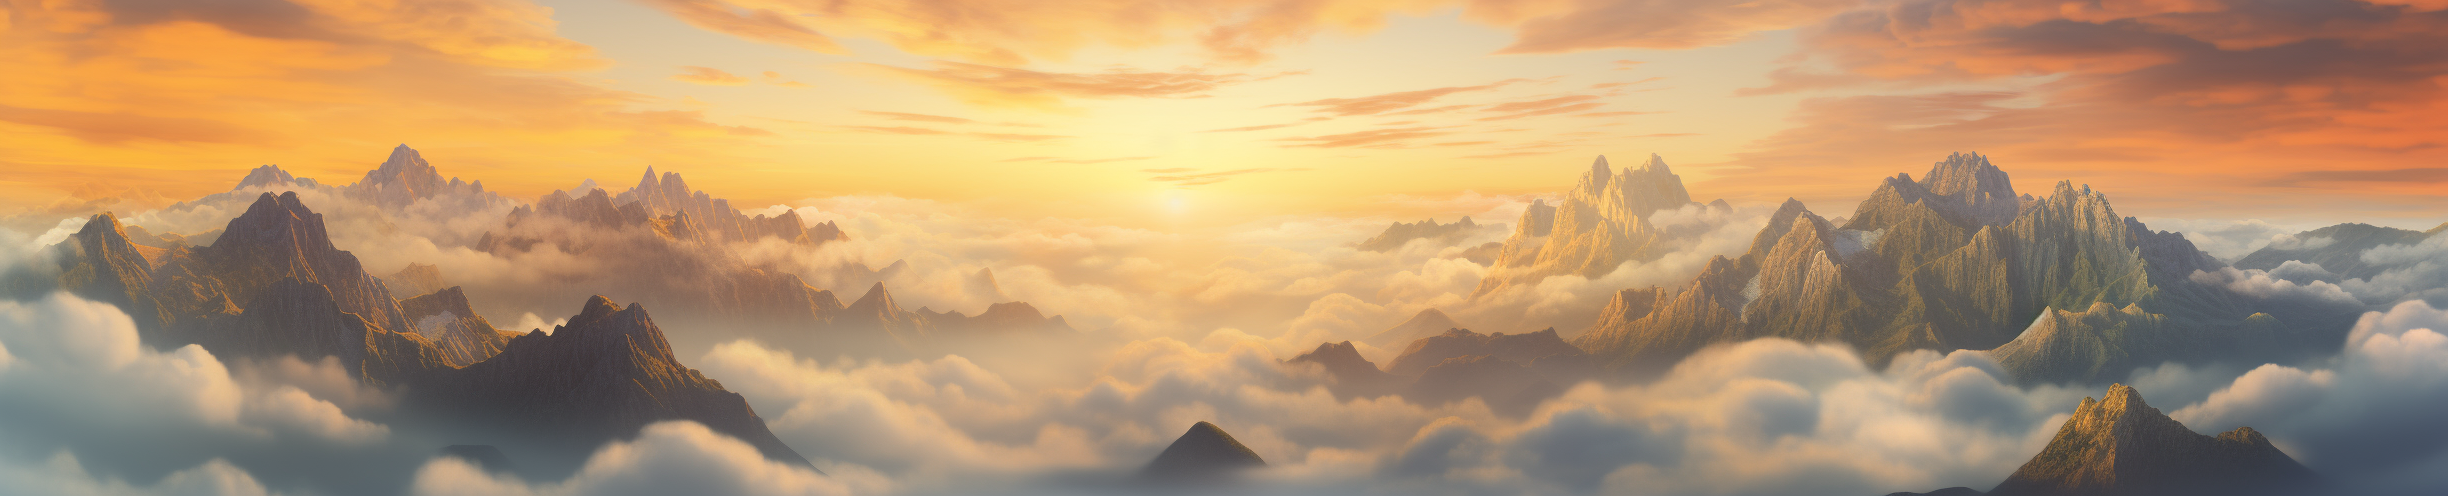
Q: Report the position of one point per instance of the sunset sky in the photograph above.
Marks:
(1218, 112)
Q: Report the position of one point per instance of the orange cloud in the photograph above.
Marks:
(903, 116)
(1377, 104)
(2179, 105)
(1375, 138)
(709, 76)
(174, 96)
(987, 85)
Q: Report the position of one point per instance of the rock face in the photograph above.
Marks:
(1204, 454)
(1957, 260)
(2337, 249)
(1601, 223)
(415, 279)
(100, 264)
(2120, 446)
(605, 375)
(278, 238)
(462, 336)
(669, 198)
(1398, 234)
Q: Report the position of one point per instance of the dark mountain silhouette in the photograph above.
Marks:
(1204, 454)
(2337, 249)
(1352, 374)
(2119, 446)
(605, 375)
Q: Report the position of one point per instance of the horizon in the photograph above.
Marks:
(1123, 247)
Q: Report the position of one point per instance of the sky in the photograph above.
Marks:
(1182, 113)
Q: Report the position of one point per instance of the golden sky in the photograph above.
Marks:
(1216, 112)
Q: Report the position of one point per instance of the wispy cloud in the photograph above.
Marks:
(1080, 161)
(905, 116)
(1370, 138)
(1388, 102)
(709, 76)
(1551, 111)
(988, 85)
(1177, 178)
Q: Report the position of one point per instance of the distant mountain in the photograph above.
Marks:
(415, 279)
(271, 176)
(1601, 223)
(1511, 372)
(1426, 323)
(1957, 260)
(1203, 454)
(603, 376)
(1399, 234)
(444, 318)
(713, 218)
(1351, 374)
(405, 178)
(2337, 249)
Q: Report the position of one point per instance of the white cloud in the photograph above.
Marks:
(667, 458)
(2368, 419)
(63, 475)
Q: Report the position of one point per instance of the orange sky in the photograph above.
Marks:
(1217, 112)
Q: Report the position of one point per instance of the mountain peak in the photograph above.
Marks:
(1655, 165)
(1204, 453)
(266, 175)
(2120, 445)
(1594, 183)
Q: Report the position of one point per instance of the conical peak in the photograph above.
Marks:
(403, 157)
(2123, 398)
(101, 223)
(597, 307)
(1594, 183)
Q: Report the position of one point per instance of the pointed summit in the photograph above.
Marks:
(2118, 445)
(402, 179)
(1204, 454)
(1594, 183)
(266, 175)
(1655, 165)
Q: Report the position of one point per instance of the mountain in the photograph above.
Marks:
(444, 318)
(1204, 454)
(1940, 263)
(713, 218)
(294, 317)
(415, 279)
(99, 263)
(1456, 343)
(2120, 446)
(271, 176)
(405, 178)
(603, 376)
(2338, 249)
(1013, 316)
(1511, 372)
(1600, 224)
(1350, 374)
(1398, 234)
(279, 238)
(1427, 323)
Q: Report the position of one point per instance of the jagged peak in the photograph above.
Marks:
(1655, 165)
(1594, 183)
(265, 175)
(877, 300)
(1967, 172)
(597, 307)
(106, 223)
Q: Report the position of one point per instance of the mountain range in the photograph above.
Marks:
(2059, 288)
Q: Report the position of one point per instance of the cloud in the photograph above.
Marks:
(995, 86)
(765, 25)
(1253, 128)
(2362, 421)
(1379, 104)
(674, 457)
(1549, 111)
(2314, 100)
(1180, 179)
(2412, 175)
(1375, 138)
(708, 76)
(63, 475)
(1594, 25)
(902, 116)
